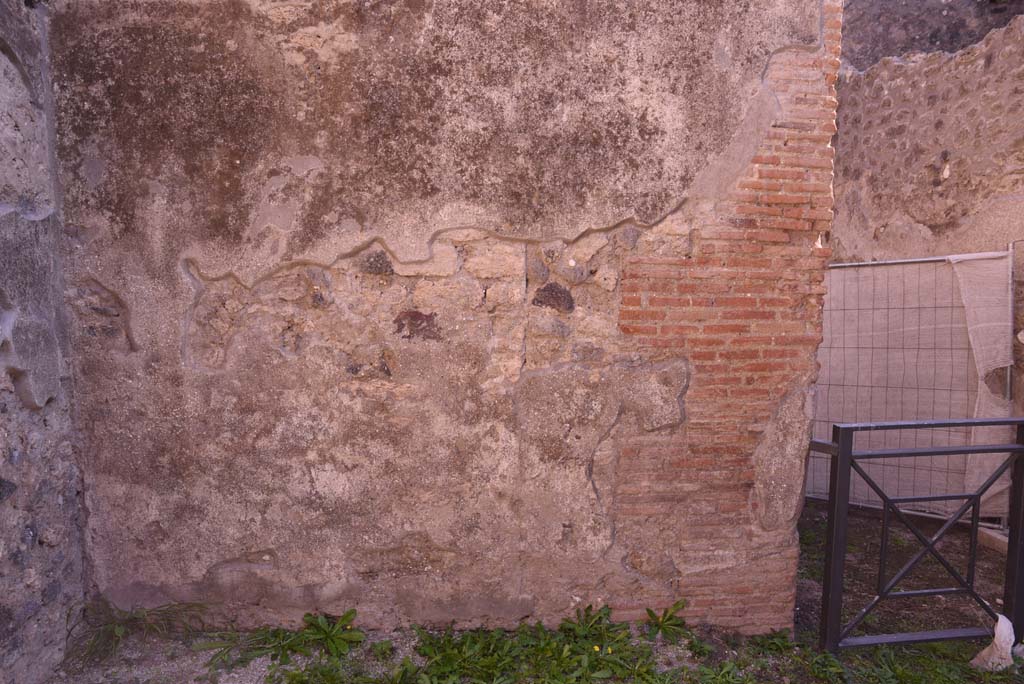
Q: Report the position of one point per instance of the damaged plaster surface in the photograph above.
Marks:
(345, 278)
(303, 129)
(434, 430)
(41, 545)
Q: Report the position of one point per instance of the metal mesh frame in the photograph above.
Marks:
(895, 347)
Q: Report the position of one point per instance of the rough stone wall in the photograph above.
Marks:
(930, 157)
(41, 546)
(355, 308)
(892, 28)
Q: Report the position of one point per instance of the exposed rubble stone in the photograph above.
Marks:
(875, 29)
(7, 489)
(378, 263)
(556, 297)
(410, 324)
(929, 151)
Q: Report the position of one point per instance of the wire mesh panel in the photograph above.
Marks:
(895, 348)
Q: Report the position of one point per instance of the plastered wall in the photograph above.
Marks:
(362, 300)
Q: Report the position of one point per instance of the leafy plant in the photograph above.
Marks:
(668, 624)
(775, 643)
(825, 668)
(697, 647)
(236, 649)
(588, 649)
(323, 636)
(316, 672)
(405, 673)
(382, 650)
(726, 673)
(336, 638)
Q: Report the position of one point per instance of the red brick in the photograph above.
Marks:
(767, 235)
(740, 354)
(807, 187)
(783, 174)
(812, 214)
(785, 199)
(640, 315)
(769, 185)
(679, 329)
(638, 329)
(805, 161)
(764, 366)
(668, 301)
(721, 233)
(745, 352)
(746, 262)
(708, 288)
(786, 224)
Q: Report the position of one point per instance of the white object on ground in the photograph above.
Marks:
(997, 655)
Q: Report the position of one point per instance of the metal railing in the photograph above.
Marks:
(845, 460)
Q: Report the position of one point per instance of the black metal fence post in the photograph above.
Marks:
(845, 460)
(835, 551)
(1013, 597)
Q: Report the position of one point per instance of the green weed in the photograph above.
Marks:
(668, 625)
(324, 639)
(726, 673)
(335, 637)
(588, 649)
(698, 649)
(236, 649)
(775, 643)
(825, 668)
(383, 650)
(99, 628)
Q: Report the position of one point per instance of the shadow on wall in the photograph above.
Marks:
(40, 507)
(874, 29)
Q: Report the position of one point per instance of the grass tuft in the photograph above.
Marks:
(99, 628)
(588, 649)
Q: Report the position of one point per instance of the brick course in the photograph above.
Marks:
(744, 307)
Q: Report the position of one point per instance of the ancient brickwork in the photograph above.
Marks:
(359, 308)
(40, 506)
(744, 307)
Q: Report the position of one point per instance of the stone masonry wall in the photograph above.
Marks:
(931, 158)
(40, 543)
(445, 311)
(892, 28)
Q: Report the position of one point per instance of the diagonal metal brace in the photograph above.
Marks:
(973, 501)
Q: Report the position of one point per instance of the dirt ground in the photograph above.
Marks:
(897, 615)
